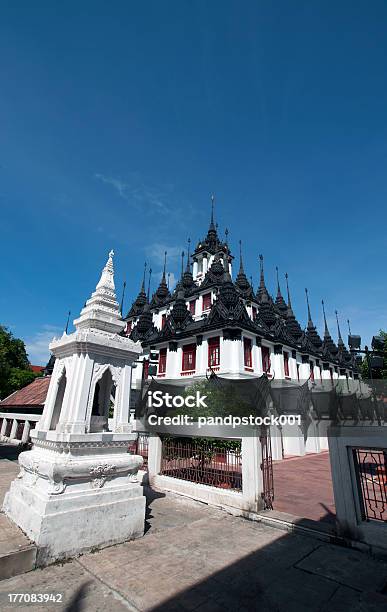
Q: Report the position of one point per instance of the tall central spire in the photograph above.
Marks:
(212, 223)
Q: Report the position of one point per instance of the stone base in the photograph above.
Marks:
(70, 502)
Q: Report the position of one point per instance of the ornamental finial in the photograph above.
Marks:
(287, 288)
(307, 301)
(338, 326)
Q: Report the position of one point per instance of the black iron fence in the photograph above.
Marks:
(210, 461)
(371, 474)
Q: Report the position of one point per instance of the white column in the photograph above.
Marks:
(13, 430)
(252, 480)
(26, 432)
(121, 408)
(3, 427)
(154, 455)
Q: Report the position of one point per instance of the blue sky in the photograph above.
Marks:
(118, 120)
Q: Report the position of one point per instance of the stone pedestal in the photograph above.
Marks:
(73, 495)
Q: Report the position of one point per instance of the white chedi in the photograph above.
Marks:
(77, 488)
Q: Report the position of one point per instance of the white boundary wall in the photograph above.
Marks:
(347, 499)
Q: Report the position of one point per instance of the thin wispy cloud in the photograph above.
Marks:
(137, 192)
(37, 344)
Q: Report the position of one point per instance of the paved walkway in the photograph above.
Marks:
(303, 487)
(198, 558)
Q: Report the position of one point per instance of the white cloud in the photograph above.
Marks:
(155, 253)
(37, 344)
(117, 184)
(137, 192)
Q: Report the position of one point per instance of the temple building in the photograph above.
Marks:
(214, 324)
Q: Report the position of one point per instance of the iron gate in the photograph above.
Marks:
(371, 475)
(267, 468)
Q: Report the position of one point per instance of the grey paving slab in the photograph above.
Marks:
(193, 557)
(347, 567)
(346, 599)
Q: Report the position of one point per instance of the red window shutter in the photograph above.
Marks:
(162, 361)
(163, 319)
(254, 312)
(189, 357)
(247, 352)
(213, 352)
(207, 301)
(286, 363)
(265, 358)
(129, 328)
(192, 305)
(146, 369)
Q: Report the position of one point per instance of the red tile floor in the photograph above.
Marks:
(303, 487)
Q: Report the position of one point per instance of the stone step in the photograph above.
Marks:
(17, 553)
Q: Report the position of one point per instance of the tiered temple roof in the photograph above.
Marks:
(274, 320)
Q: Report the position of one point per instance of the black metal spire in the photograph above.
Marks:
(122, 297)
(165, 265)
(262, 291)
(143, 279)
(182, 264)
(292, 324)
(212, 224)
(241, 269)
(340, 341)
(140, 301)
(241, 280)
(326, 330)
(310, 322)
(149, 282)
(280, 302)
(328, 343)
(68, 320)
(188, 268)
(311, 328)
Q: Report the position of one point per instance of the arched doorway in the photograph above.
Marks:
(103, 403)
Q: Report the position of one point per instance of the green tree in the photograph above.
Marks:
(15, 371)
(380, 373)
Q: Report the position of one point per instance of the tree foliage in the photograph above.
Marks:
(15, 371)
(377, 373)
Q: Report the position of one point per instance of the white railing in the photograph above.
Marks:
(15, 427)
